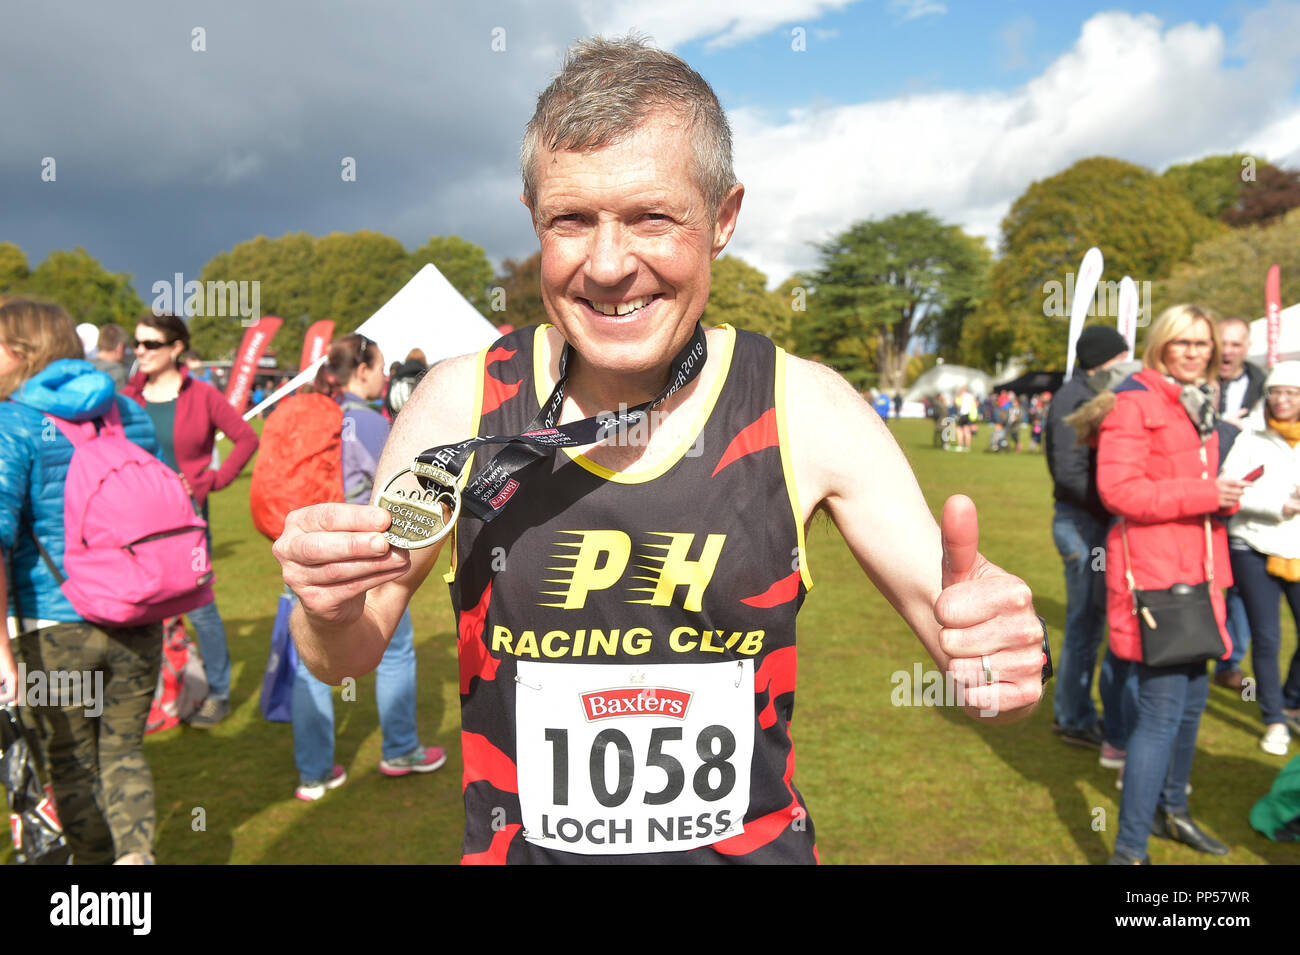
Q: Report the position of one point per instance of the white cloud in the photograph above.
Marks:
(1129, 87)
(914, 9)
(725, 22)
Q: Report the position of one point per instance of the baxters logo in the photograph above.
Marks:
(505, 493)
(635, 701)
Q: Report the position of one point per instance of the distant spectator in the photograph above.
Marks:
(353, 374)
(110, 357)
(1079, 525)
(1265, 545)
(417, 354)
(187, 415)
(1241, 385)
(194, 362)
(101, 781)
(1157, 462)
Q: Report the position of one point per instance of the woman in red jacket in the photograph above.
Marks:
(1157, 467)
(187, 414)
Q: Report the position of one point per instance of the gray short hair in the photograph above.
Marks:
(606, 90)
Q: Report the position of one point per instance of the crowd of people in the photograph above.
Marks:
(101, 783)
(593, 578)
(958, 417)
(1169, 487)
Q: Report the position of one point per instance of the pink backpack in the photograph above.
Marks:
(134, 550)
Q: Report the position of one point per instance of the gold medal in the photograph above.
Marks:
(421, 516)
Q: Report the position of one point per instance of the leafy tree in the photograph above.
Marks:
(882, 282)
(796, 296)
(464, 264)
(1227, 272)
(738, 296)
(1271, 195)
(521, 280)
(13, 267)
(353, 274)
(284, 269)
(1213, 184)
(88, 292)
(1142, 223)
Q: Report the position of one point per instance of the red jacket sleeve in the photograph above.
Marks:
(1123, 482)
(237, 430)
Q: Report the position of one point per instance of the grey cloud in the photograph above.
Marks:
(166, 156)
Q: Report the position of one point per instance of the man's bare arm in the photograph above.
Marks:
(845, 459)
(352, 585)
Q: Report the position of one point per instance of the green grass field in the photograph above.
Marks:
(884, 784)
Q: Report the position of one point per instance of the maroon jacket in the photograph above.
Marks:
(202, 411)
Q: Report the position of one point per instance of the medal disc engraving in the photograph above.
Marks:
(423, 512)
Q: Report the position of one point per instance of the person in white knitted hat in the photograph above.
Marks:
(1264, 540)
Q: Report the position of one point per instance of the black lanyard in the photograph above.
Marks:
(497, 482)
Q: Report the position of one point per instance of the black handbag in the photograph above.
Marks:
(1177, 624)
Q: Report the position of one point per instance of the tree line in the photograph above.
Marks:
(1203, 231)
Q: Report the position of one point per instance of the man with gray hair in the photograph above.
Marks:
(626, 609)
(1241, 385)
(111, 358)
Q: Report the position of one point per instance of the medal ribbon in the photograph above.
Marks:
(487, 494)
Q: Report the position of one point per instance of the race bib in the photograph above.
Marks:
(630, 759)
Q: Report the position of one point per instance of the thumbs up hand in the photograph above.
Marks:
(990, 632)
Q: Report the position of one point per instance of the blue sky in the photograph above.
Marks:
(167, 155)
(871, 50)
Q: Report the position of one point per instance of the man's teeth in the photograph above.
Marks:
(622, 308)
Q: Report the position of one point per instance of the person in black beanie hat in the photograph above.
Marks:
(1079, 527)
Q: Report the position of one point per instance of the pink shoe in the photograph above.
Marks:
(310, 792)
(1112, 757)
(424, 760)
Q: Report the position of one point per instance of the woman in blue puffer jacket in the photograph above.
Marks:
(102, 785)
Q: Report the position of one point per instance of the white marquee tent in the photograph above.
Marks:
(428, 313)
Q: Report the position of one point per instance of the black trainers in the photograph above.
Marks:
(1090, 737)
(211, 712)
(1182, 829)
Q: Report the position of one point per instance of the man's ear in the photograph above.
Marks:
(728, 214)
(532, 213)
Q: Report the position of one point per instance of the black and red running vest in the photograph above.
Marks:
(627, 642)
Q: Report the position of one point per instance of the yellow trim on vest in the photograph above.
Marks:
(788, 468)
(540, 378)
(450, 576)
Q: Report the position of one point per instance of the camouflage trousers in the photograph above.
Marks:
(94, 745)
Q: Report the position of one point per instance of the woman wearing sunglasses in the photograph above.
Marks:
(187, 414)
(1264, 541)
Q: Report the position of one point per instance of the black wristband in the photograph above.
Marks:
(1047, 653)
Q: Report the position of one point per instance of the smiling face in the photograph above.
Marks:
(1188, 356)
(626, 241)
(155, 360)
